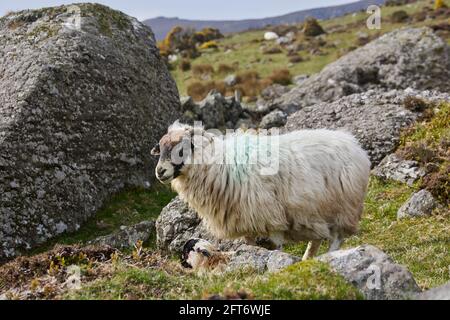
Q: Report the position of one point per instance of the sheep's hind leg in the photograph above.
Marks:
(312, 249)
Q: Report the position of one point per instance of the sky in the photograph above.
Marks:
(187, 9)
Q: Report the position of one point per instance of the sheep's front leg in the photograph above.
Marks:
(311, 250)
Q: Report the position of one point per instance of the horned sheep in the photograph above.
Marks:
(316, 192)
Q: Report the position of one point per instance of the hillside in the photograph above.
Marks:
(247, 51)
(162, 25)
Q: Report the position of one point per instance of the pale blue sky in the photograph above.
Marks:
(188, 9)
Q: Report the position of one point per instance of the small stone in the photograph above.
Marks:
(421, 203)
(230, 80)
(274, 119)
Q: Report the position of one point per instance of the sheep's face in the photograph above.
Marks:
(173, 150)
(196, 253)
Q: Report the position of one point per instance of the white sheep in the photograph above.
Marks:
(316, 193)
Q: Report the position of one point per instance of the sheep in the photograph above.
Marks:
(316, 193)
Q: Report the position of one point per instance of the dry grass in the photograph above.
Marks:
(200, 70)
(281, 76)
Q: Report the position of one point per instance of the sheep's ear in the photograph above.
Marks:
(155, 151)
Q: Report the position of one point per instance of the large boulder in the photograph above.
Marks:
(375, 117)
(84, 95)
(415, 58)
(373, 272)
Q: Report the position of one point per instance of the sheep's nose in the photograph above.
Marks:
(160, 172)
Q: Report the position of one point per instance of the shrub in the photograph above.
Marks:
(399, 16)
(415, 104)
(438, 4)
(295, 59)
(207, 34)
(438, 183)
(312, 28)
(224, 68)
(281, 76)
(185, 65)
(199, 90)
(247, 76)
(209, 45)
(250, 84)
(199, 70)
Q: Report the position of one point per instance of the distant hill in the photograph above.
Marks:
(162, 25)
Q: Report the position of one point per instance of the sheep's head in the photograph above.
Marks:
(176, 150)
(199, 254)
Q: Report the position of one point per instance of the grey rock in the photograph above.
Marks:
(260, 259)
(375, 117)
(284, 40)
(79, 113)
(245, 124)
(395, 168)
(411, 57)
(274, 91)
(373, 272)
(230, 80)
(421, 203)
(275, 119)
(178, 223)
(300, 79)
(215, 111)
(127, 237)
(439, 293)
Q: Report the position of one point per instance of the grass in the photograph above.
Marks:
(303, 281)
(124, 209)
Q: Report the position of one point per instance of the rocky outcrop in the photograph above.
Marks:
(395, 168)
(84, 95)
(178, 223)
(215, 111)
(415, 58)
(420, 204)
(373, 273)
(375, 117)
(127, 237)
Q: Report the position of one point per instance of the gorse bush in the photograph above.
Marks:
(312, 28)
(200, 70)
(399, 16)
(209, 45)
(281, 76)
(224, 68)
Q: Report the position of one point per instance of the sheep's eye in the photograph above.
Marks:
(155, 151)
